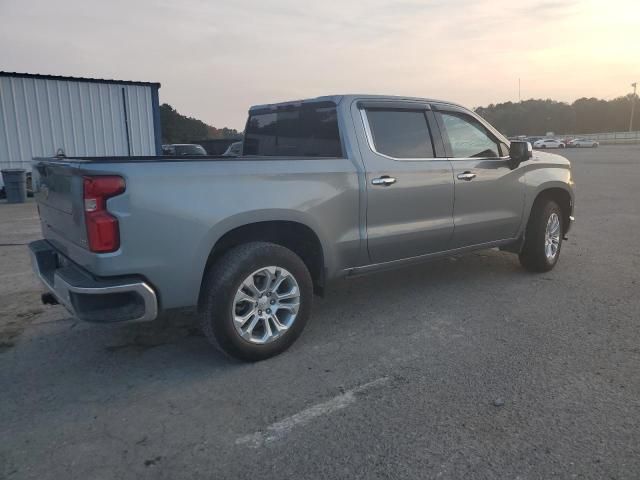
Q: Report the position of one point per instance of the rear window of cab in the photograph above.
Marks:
(307, 130)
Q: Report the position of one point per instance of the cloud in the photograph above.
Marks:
(216, 58)
(549, 9)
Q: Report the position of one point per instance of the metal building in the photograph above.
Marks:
(40, 114)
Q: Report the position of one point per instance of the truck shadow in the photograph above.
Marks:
(170, 355)
(352, 301)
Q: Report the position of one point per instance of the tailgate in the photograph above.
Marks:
(57, 186)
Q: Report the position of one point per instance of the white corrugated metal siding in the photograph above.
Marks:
(40, 115)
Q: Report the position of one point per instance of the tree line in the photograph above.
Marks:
(177, 128)
(529, 117)
(585, 115)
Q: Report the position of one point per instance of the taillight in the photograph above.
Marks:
(103, 234)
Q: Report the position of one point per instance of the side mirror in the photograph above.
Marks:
(519, 152)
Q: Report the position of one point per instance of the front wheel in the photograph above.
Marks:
(543, 237)
(255, 301)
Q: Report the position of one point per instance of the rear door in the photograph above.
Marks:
(409, 189)
(489, 195)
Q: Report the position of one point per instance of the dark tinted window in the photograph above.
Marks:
(467, 136)
(400, 133)
(309, 130)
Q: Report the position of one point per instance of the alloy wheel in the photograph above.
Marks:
(552, 237)
(266, 305)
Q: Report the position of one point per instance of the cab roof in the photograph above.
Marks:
(348, 97)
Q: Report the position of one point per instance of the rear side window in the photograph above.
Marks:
(310, 130)
(400, 133)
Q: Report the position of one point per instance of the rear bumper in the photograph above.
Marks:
(102, 300)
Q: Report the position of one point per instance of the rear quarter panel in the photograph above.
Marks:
(172, 214)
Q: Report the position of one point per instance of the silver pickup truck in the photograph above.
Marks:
(325, 188)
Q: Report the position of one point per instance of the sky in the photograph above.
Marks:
(215, 59)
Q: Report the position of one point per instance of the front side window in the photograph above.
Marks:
(400, 133)
(307, 130)
(467, 137)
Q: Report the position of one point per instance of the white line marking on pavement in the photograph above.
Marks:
(278, 430)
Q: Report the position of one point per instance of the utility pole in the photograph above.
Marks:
(519, 97)
(633, 105)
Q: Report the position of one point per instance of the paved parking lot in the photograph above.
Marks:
(467, 367)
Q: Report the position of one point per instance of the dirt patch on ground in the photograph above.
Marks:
(166, 330)
(17, 311)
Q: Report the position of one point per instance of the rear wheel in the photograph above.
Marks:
(256, 301)
(543, 237)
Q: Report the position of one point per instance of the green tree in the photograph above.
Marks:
(585, 115)
(177, 128)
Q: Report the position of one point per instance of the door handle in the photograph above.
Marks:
(468, 176)
(384, 180)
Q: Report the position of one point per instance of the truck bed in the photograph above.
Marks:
(166, 158)
(174, 209)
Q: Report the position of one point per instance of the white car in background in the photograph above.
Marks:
(183, 149)
(234, 150)
(548, 143)
(583, 142)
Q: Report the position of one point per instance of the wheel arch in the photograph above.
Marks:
(559, 194)
(298, 237)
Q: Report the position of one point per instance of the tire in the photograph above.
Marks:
(223, 282)
(534, 255)
(562, 146)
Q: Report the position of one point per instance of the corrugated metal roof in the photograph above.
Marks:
(77, 79)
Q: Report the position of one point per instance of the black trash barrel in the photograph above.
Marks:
(15, 184)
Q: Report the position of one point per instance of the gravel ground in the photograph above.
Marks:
(466, 367)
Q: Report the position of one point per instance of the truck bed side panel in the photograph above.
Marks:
(172, 213)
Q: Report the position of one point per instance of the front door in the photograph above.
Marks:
(409, 190)
(489, 195)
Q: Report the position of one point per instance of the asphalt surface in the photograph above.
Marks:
(462, 368)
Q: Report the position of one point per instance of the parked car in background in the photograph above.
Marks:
(234, 150)
(180, 149)
(548, 143)
(583, 143)
(326, 188)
